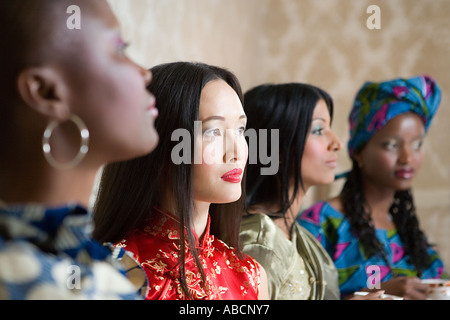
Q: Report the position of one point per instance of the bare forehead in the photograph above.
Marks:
(321, 111)
(219, 99)
(405, 121)
(59, 15)
(37, 31)
(29, 20)
(404, 126)
(102, 11)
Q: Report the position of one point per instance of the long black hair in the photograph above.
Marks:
(403, 213)
(129, 191)
(289, 108)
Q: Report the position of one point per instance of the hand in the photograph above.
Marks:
(410, 288)
(368, 295)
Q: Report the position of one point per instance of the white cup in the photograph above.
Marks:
(438, 289)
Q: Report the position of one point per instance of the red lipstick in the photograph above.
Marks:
(233, 176)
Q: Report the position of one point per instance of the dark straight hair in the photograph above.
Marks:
(129, 191)
(289, 108)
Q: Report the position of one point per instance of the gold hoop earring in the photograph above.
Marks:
(84, 147)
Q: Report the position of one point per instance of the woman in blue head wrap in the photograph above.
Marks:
(371, 229)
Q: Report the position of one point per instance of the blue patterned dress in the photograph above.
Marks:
(47, 253)
(356, 271)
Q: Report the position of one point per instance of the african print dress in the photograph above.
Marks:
(355, 270)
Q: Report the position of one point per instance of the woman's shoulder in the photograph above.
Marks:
(264, 240)
(34, 274)
(259, 229)
(239, 271)
(230, 254)
(151, 249)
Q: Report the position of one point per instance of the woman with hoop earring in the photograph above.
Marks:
(64, 114)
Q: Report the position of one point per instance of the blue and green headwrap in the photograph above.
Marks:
(378, 102)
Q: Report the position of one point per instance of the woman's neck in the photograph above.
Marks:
(47, 186)
(200, 212)
(284, 223)
(379, 201)
(200, 217)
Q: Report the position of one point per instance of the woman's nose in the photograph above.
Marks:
(235, 148)
(405, 155)
(335, 143)
(148, 76)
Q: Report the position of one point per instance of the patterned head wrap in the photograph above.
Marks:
(377, 103)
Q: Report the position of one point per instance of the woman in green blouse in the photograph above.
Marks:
(298, 117)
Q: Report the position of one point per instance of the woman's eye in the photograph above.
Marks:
(318, 131)
(417, 145)
(241, 131)
(212, 133)
(391, 145)
(122, 47)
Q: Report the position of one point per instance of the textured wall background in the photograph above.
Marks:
(325, 43)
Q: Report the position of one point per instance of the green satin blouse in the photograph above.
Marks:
(297, 269)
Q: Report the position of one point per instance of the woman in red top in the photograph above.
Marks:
(171, 207)
(227, 276)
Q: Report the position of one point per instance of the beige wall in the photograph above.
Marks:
(325, 43)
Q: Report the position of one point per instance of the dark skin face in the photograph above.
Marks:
(115, 102)
(394, 155)
(107, 90)
(95, 80)
(101, 85)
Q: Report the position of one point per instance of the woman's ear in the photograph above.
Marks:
(358, 159)
(44, 90)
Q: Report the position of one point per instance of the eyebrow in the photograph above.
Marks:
(220, 118)
(396, 137)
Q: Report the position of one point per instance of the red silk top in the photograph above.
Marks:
(227, 276)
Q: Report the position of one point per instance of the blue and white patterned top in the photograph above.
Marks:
(47, 253)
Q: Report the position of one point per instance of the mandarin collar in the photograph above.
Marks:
(168, 224)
